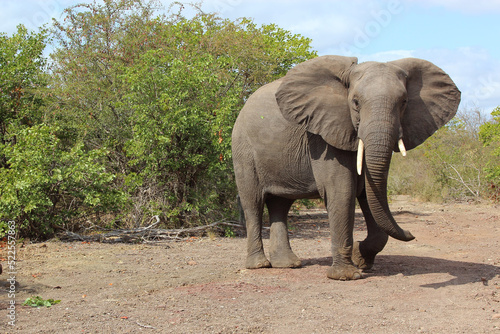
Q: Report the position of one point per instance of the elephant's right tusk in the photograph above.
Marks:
(402, 148)
(359, 161)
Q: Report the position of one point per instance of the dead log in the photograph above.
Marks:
(148, 234)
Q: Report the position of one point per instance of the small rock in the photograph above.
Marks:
(495, 316)
(192, 263)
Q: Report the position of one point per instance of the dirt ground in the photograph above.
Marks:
(447, 280)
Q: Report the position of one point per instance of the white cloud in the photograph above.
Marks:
(351, 28)
(465, 6)
(474, 70)
(31, 13)
(335, 27)
(388, 55)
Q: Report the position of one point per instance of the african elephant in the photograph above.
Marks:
(328, 129)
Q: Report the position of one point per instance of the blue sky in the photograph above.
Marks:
(460, 36)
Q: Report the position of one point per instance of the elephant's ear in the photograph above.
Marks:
(314, 95)
(433, 100)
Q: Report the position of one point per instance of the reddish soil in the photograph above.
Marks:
(445, 281)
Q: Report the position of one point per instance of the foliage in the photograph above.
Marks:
(179, 129)
(21, 78)
(132, 117)
(94, 44)
(412, 175)
(160, 94)
(46, 187)
(228, 232)
(306, 203)
(489, 134)
(45, 183)
(451, 164)
(37, 301)
(454, 157)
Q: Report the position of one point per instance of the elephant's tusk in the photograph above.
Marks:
(359, 161)
(402, 148)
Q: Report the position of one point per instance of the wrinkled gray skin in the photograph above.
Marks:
(297, 137)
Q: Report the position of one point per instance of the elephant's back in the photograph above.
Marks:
(276, 149)
(260, 120)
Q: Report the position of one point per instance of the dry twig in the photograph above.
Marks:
(144, 234)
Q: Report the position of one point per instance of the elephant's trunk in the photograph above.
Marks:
(378, 153)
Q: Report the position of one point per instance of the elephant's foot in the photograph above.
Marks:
(363, 260)
(284, 260)
(344, 272)
(257, 261)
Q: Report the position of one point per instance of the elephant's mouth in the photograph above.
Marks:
(361, 151)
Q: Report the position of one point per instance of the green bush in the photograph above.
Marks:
(450, 165)
(132, 119)
(46, 188)
(162, 97)
(180, 132)
(490, 136)
(412, 175)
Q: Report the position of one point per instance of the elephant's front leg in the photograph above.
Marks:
(364, 252)
(341, 216)
(336, 179)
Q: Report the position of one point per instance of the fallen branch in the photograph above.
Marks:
(144, 234)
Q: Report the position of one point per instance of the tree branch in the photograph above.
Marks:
(144, 234)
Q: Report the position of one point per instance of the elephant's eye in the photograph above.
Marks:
(355, 103)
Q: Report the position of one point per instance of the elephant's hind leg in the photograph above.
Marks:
(252, 204)
(280, 253)
(255, 250)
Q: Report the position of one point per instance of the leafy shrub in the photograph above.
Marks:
(450, 165)
(161, 96)
(132, 119)
(490, 136)
(412, 175)
(46, 188)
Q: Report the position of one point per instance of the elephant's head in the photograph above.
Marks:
(373, 106)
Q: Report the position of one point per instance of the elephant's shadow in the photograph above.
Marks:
(391, 265)
(312, 224)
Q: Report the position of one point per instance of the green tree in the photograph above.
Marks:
(489, 134)
(186, 96)
(449, 165)
(179, 120)
(22, 79)
(44, 185)
(94, 44)
(160, 94)
(46, 188)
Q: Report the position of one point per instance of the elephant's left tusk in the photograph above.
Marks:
(359, 161)
(402, 148)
